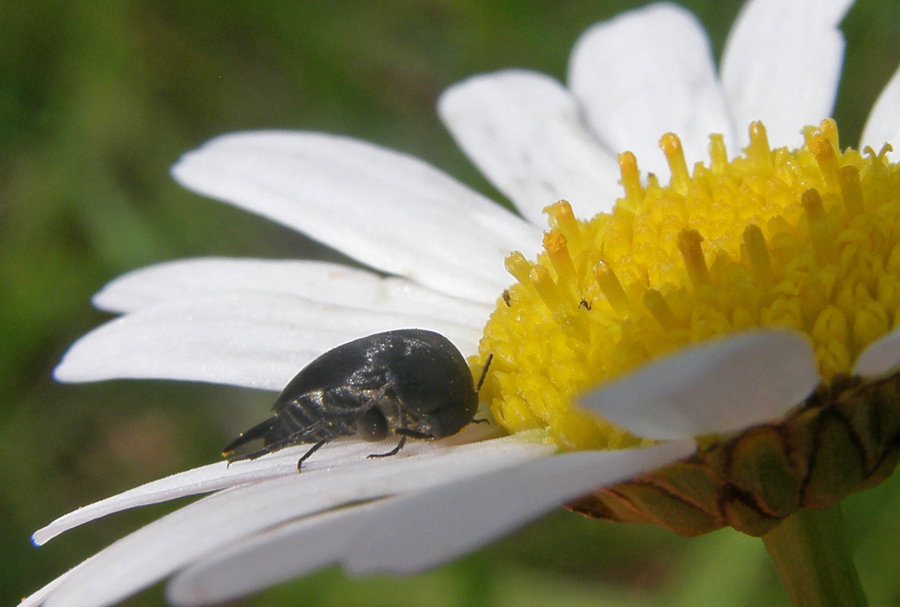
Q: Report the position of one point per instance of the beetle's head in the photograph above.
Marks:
(449, 419)
(432, 383)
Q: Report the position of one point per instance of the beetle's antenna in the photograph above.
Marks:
(487, 365)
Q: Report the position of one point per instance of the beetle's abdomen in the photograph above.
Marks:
(308, 419)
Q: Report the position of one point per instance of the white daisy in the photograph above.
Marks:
(254, 323)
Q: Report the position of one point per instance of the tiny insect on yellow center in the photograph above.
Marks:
(806, 239)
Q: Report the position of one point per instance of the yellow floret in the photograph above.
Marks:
(807, 239)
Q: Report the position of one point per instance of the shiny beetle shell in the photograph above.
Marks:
(409, 382)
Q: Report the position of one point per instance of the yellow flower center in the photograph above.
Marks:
(807, 239)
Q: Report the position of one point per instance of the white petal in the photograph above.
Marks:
(414, 532)
(883, 125)
(344, 454)
(645, 73)
(247, 339)
(313, 280)
(388, 210)
(206, 526)
(271, 557)
(782, 64)
(722, 386)
(405, 539)
(207, 479)
(526, 134)
(881, 357)
(36, 599)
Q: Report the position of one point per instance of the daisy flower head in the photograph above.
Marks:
(678, 357)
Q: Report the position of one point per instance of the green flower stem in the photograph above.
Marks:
(812, 556)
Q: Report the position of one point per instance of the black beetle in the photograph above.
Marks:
(411, 382)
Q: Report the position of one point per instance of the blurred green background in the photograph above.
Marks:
(98, 99)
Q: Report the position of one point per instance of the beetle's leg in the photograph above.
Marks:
(412, 433)
(270, 448)
(312, 450)
(293, 439)
(487, 365)
(393, 451)
(402, 434)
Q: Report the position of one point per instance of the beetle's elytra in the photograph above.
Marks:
(410, 382)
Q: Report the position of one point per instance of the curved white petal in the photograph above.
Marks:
(207, 526)
(273, 556)
(881, 357)
(388, 210)
(342, 454)
(527, 135)
(782, 64)
(722, 386)
(647, 72)
(477, 511)
(313, 280)
(417, 531)
(213, 477)
(883, 125)
(256, 340)
(36, 599)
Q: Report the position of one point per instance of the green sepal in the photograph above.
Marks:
(837, 465)
(844, 438)
(759, 465)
